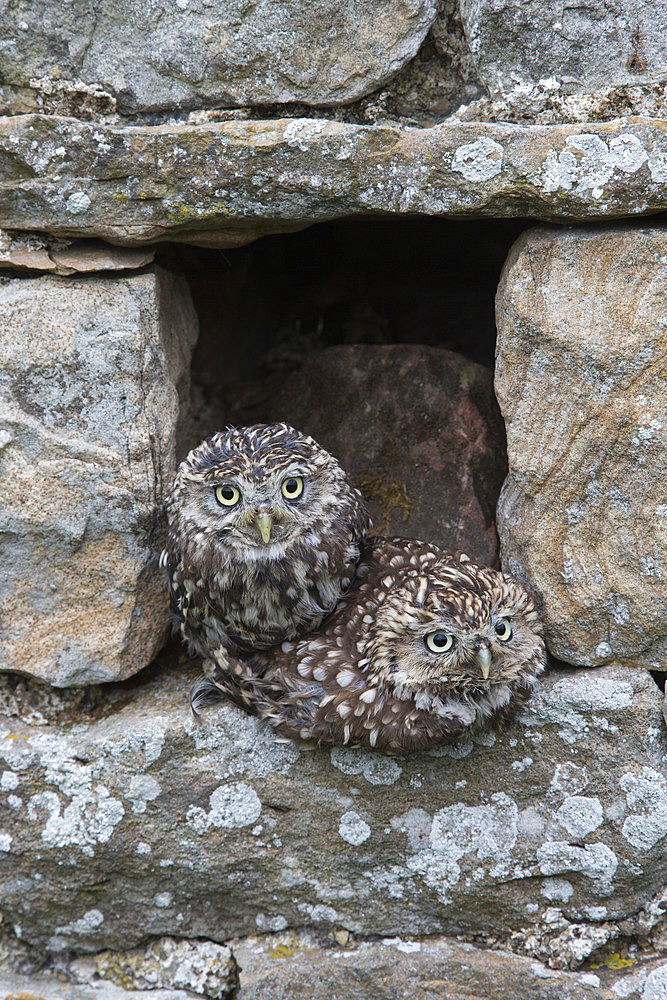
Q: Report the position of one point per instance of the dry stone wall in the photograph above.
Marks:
(142, 854)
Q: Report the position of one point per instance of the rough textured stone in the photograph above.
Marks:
(298, 966)
(581, 47)
(136, 822)
(202, 968)
(225, 184)
(28, 252)
(418, 430)
(545, 103)
(295, 966)
(91, 371)
(194, 54)
(581, 375)
(51, 986)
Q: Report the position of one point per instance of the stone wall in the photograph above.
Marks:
(145, 855)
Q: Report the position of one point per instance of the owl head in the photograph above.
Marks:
(455, 629)
(256, 491)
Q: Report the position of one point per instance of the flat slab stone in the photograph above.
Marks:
(26, 253)
(228, 183)
(295, 966)
(135, 822)
(196, 54)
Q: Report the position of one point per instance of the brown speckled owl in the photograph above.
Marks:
(265, 531)
(423, 648)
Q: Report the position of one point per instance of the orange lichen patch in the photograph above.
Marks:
(616, 962)
(282, 951)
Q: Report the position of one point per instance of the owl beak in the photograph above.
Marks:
(264, 522)
(483, 657)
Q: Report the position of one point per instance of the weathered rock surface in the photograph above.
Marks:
(298, 966)
(419, 431)
(92, 371)
(51, 986)
(196, 55)
(434, 969)
(581, 379)
(136, 823)
(225, 184)
(581, 47)
(29, 252)
(202, 968)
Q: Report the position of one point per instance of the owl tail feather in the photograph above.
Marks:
(227, 679)
(204, 694)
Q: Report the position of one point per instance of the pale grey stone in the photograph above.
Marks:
(92, 375)
(227, 183)
(194, 54)
(50, 986)
(202, 968)
(297, 967)
(580, 47)
(235, 832)
(581, 378)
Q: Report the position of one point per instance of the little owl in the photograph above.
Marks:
(423, 648)
(265, 531)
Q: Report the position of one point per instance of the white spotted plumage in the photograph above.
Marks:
(369, 678)
(253, 566)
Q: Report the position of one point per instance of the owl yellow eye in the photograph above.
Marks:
(439, 642)
(292, 487)
(227, 495)
(503, 630)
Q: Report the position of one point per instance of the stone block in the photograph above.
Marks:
(92, 374)
(136, 823)
(581, 48)
(581, 378)
(225, 184)
(194, 55)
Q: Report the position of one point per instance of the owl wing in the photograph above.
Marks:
(184, 608)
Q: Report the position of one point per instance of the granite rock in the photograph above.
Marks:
(193, 54)
(93, 372)
(227, 183)
(580, 378)
(418, 430)
(136, 823)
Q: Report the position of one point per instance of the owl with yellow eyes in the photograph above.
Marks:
(265, 531)
(424, 648)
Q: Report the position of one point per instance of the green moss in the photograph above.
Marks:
(180, 212)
